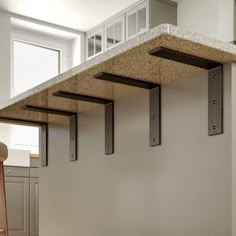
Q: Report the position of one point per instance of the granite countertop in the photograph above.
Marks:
(130, 59)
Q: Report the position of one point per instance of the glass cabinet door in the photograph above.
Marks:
(110, 36)
(94, 43)
(114, 32)
(119, 32)
(98, 43)
(142, 20)
(132, 24)
(137, 20)
(91, 46)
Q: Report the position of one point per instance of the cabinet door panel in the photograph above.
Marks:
(34, 206)
(17, 195)
(137, 20)
(132, 25)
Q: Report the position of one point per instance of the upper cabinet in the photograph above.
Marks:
(133, 21)
(137, 20)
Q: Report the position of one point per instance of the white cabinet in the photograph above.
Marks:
(95, 41)
(137, 20)
(115, 32)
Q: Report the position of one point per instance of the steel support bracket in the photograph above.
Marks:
(154, 102)
(74, 137)
(109, 115)
(215, 83)
(43, 144)
(43, 134)
(215, 101)
(109, 128)
(44, 131)
(155, 116)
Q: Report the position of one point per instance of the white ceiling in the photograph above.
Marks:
(76, 14)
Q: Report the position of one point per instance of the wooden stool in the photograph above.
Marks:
(3, 157)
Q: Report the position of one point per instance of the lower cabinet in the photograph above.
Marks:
(17, 194)
(22, 201)
(34, 206)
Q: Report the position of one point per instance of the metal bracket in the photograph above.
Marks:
(109, 115)
(154, 101)
(73, 128)
(43, 134)
(215, 83)
(73, 137)
(215, 101)
(43, 144)
(184, 58)
(109, 128)
(155, 116)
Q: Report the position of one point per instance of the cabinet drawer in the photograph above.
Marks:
(16, 171)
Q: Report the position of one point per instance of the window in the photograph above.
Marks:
(115, 32)
(32, 65)
(137, 20)
(95, 43)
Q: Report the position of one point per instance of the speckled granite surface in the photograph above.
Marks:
(130, 59)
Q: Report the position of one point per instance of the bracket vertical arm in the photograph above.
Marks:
(215, 101)
(74, 137)
(155, 116)
(43, 144)
(109, 128)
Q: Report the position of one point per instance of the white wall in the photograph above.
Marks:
(233, 105)
(15, 157)
(181, 188)
(214, 18)
(4, 69)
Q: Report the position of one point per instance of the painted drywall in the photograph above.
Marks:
(181, 188)
(233, 105)
(214, 18)
(4, 69)
(15, 157)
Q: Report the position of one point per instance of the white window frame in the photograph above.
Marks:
(145, 4)
(90, 34)
(121, 19)
(41, 40)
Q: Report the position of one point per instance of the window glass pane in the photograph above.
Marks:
(91, 46)
(132, 24)
(98, 43)
(110, 36)
(142, 19)
(32, 65)
(118, 32)
(26, 138)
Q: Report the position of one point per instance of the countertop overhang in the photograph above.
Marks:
(130, 59)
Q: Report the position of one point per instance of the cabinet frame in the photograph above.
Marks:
(34, 206)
